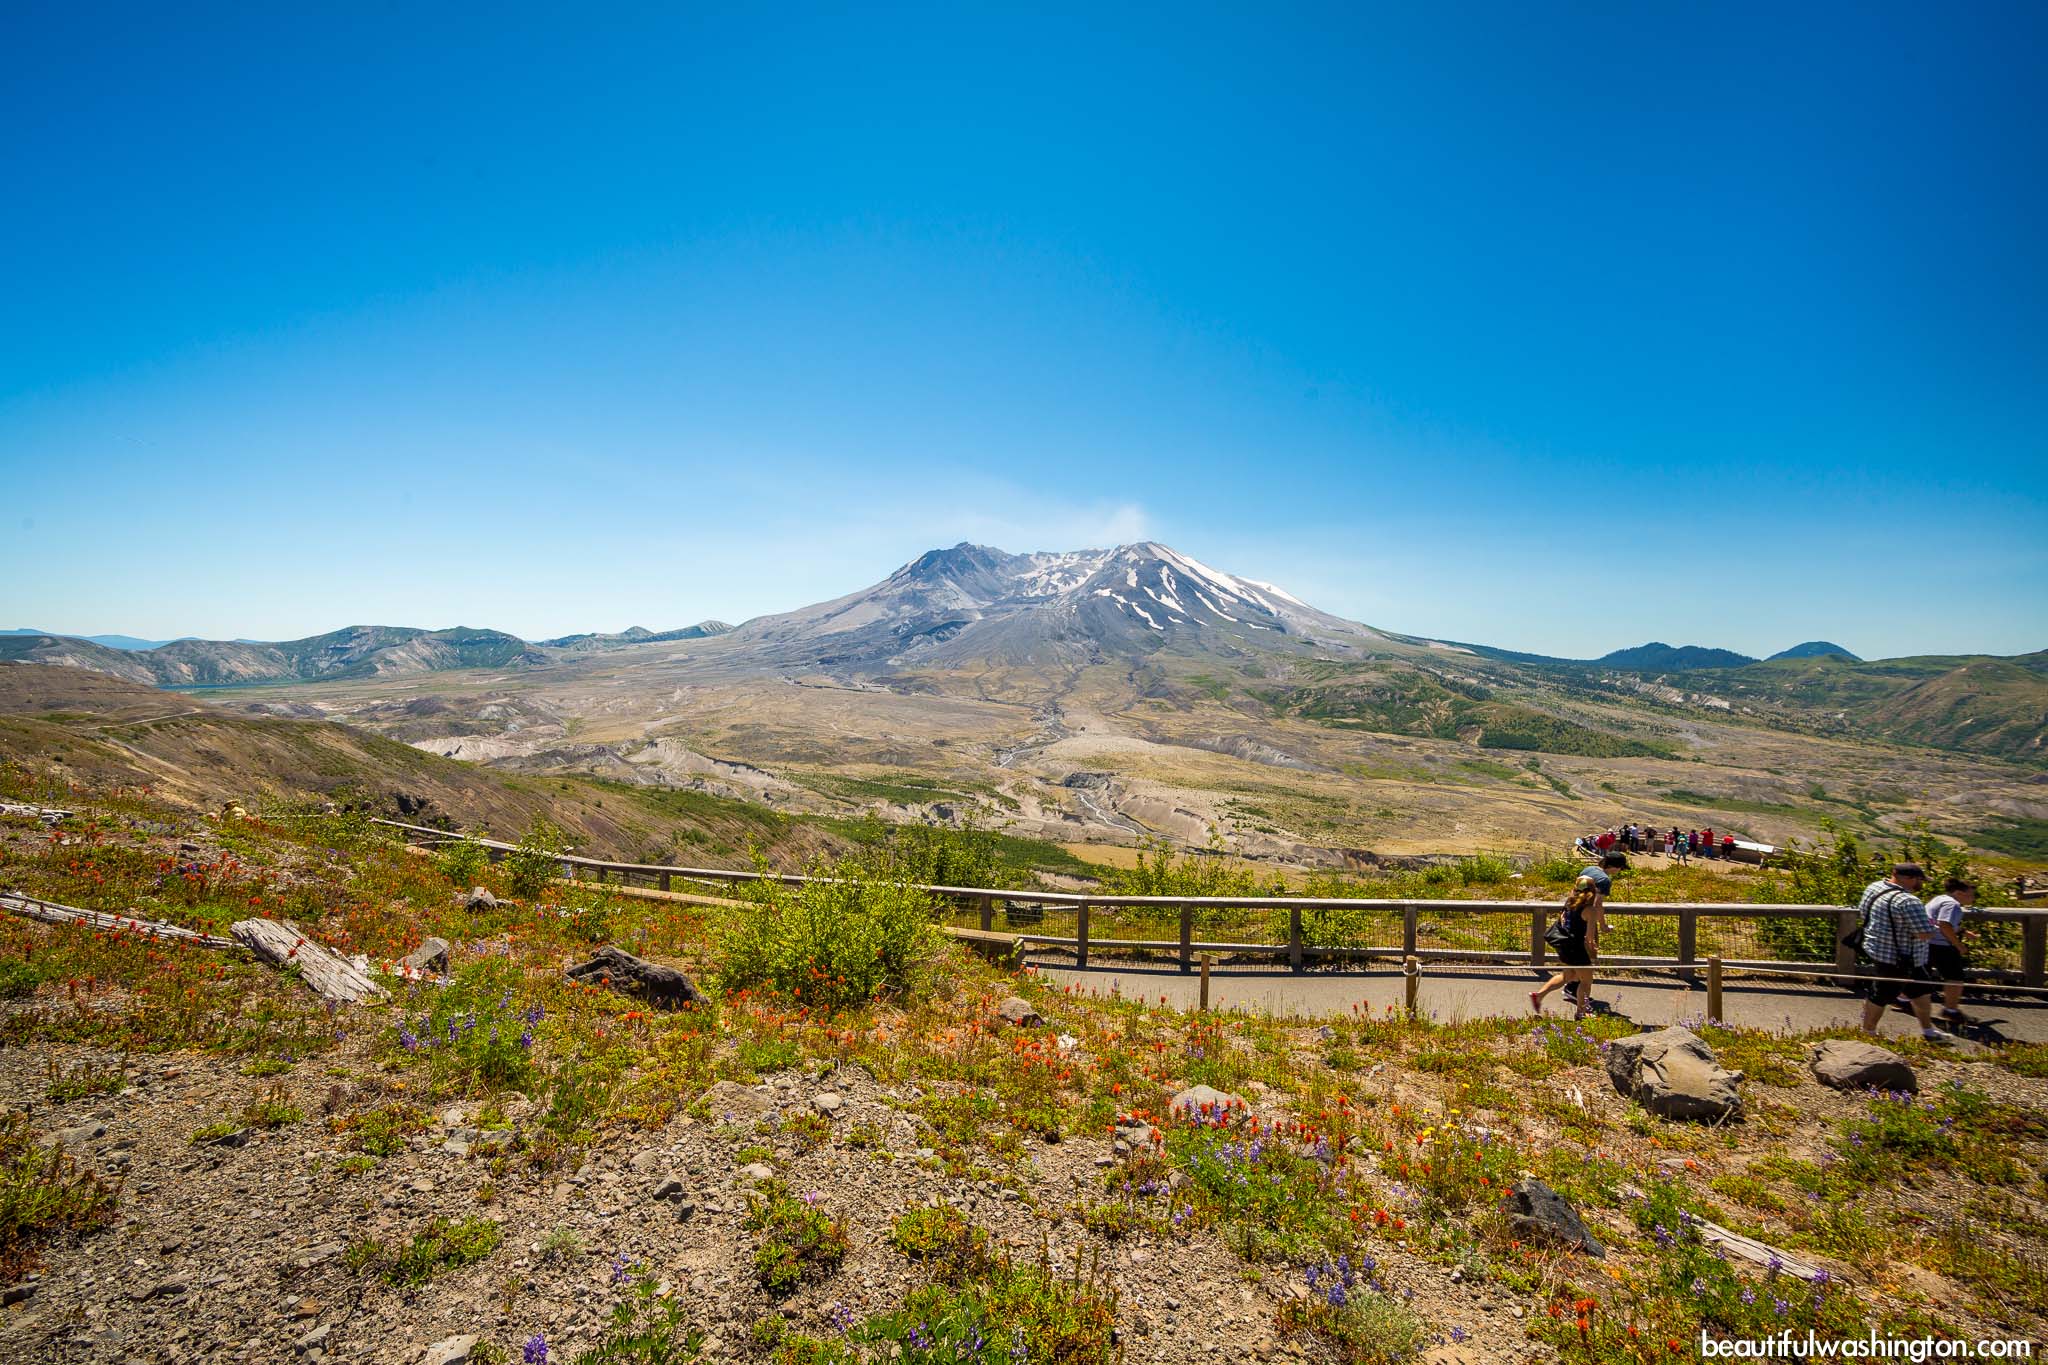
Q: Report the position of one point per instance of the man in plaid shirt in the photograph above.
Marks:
(1896, 932)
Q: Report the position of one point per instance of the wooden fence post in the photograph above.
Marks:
(1714, 1015)
(1294, 938)
(987, 905)
(1081, 935)
(1539, 923)
(1845, 956)
(2034, 950)
(1688, 938)
(1205, 983)
(1411, 972)
(1187, 936)
(1411, 916)
(668, 881)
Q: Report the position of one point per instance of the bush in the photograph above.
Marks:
(42, 1193)
(463, 861)
(443, 1246)
(852, 934)
(537, 861)
(799, 1240)
(476, 1038)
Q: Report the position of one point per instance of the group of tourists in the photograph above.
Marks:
(1912, 947)
(1682, 844)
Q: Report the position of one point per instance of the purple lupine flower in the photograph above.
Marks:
(536, 1352)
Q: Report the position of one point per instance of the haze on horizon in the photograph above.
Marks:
(1552, 330)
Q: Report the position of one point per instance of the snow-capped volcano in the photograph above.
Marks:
(972, 602)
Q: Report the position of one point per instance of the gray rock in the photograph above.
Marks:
(649, 1161)
(430, 958)
(80, 1134)
(315, 1339)
(448, 1351)
(1674, 1075)
(731, 1100)
(17, 1293)
(756, 1173)
(1018, 1013)
(479, 898)
(1206, 1102)
(666, 1187)
(234, 1137)
(168, 1288)
(1539, 1213)
(1849, 1064)
(827, 1102)
(665, 988)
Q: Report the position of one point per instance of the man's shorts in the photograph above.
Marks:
(1946, 962)
(1883, 992)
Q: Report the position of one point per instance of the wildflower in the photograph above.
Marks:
(536, 1352)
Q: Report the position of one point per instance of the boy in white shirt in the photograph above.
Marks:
(1945, 951)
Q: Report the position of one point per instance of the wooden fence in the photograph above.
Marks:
(1298, 951)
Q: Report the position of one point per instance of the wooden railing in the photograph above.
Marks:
(1297, 951)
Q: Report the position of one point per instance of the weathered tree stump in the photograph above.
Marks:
(662, 987)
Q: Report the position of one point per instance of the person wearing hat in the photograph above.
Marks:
(1896, 932)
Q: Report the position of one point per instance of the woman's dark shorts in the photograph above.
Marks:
(1572, 952)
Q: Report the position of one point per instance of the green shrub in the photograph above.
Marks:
(476, 1037)
(799, 1240)
(852, 934)
(463, 861)
(82, 1080)
(647, 1329)
(941, 1235)
(443, 1246)
(537, 861)
(18, 977)
(42, 1193)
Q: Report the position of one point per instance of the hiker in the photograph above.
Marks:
(1945, 950)
(1684, 846)
(1576, 937)
(1727, 847)
(1706, 843)
(1671, 842)
(1895, 937)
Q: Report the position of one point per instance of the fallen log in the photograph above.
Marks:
(1748, 1248)
(331, 976)
(50, 912)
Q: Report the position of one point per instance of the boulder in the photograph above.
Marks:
(479, 898)
(429, 959)
(1675, 1075)
(731, 1100)
(448, 1351)
(1538, 1213)
(1848, 1064)
(1018, 1013)
(664, 988)
(828, 1102)
(1205, 1103)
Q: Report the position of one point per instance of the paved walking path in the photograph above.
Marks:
(1447, 993)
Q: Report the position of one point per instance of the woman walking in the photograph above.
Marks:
(1576, 939)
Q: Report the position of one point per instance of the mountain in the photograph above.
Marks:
(110, 641)
(635, 635)
(354, 652)
(96, 727)
(975, 604)
(1814, 649)
(1658, 657)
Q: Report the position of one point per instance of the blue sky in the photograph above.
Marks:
(1556, 327)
